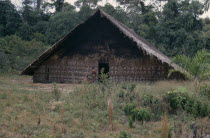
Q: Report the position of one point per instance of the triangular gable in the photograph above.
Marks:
(140, 42)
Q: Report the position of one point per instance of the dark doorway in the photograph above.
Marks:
(104, 67)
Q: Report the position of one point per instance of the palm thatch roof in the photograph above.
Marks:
(142, 44)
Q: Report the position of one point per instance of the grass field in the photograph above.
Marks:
(95, 110)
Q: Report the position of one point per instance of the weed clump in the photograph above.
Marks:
(137, 114)
(56, 93)
(205, 91)
(3, 96)
(127, 93)
(128, 108)
(142, 114)
(156, 105)
(122, 134)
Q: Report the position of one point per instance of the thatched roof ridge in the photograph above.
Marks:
(141, 43)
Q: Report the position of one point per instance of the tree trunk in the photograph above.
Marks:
(59, 5)
(38, 5)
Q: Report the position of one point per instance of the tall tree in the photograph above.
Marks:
(61, 23)
(179, 27)
(27, 12)
(142, 17)
(116, 12)
(87, 3)
(134, 7)
(38, 5)
(34, 20)
(207, 4)
(59, 5)
(9, 18)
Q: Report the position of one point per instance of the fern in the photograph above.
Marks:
(196, 68)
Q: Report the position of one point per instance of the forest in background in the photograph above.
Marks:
(25, 32)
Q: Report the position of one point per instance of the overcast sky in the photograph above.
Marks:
(113, 2)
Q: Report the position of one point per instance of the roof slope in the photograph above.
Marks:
(140, 42)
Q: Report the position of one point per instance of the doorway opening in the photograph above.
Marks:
(103, 68)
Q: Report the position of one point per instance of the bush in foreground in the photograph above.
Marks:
(180, 99)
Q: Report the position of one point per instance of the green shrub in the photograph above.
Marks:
(103, 76)
(147, 99)
(3, 96)
(137, 114)
(155, 104)
(180, 99)
(123, 134)
(4, 61)
(127, 93)
(128, 109)
(16, 54)
(130, 122)
(129, 87)
(205, 91)
(142, 114)
(121, 94)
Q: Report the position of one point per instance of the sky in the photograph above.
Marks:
(113, 2)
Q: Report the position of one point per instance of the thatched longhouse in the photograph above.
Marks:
(101, 42)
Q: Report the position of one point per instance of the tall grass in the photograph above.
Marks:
(56, 93)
